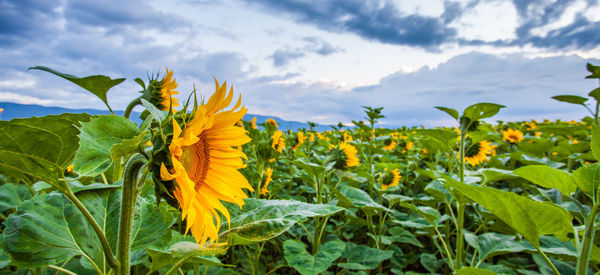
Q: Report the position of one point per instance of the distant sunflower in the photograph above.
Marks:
(390, 179)
(163, 92)
(350, 152)
(299, 140)
(390, 146)
(277, 141)
(272, 122)
(253, 123)
(269, 173)
(477, 153)
(204, 164)
(512, 135)
(409, 145)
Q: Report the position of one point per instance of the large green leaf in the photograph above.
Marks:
(453, 113)
(482, 110)
(95, 84)
(262, 220)
(362, 257)
(548, 177)
(96, 139)
(530, 218)
(349, 196)
(297, 257)
(39, 148)
(49, 229)
(402, 235)
(490, 244)
(587, 178)
(573, 99)
(188, 250)
(12, 196)
(495, 174)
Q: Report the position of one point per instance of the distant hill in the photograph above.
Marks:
(15, 110)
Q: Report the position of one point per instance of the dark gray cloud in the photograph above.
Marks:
(282, 57)
(383, 22)
(375, 20)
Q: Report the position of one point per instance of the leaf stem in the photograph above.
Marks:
(130, 107)
(177, 265)
(112, 262)
(128, 200)
(61, 270)
(548, 261)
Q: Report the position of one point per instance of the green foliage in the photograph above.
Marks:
(548, 177)
(307, 264)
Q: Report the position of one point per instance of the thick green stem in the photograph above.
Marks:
(128, 200)
(130, 107)
(110, 259)
(596, 114)
(588, 239)
(461, 207)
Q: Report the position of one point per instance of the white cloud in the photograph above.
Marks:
(567, 17)
(24, 99)
(488, 21)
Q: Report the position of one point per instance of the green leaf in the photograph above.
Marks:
(587, 178)
(530, 218)
(573, 99)
(595, 144)
(49, 229)
(162, 258)
(595, 70)
(96, 139)
(297, 257)
(453, 113)
(361, 257)
(548, 177)
(157, 114)
(39, 148)
(495, 174)
(430, 262)
(482, 110)
(127, 147)
(96, 84)
(353, 197)
(12, 196)
(312, 169)
(402, 235)
(490, 244)
(262, 220)
(595, 93)
(473, 271)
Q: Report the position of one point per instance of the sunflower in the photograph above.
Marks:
(299, 140)
(204, 164)
(277, 141)
(311, 137)
(272, 122)
(166, 92)
(350, 153)
(390, 179)
(390, 146)
(253, 123)
(512, 135)
(478, 152)
(409, 145)
(263, 189)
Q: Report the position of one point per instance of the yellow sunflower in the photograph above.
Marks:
(204, 164)
(299, 140)
(263, 189)
(478, 153)
(390, 146)
(167, 90)
(253, 123)
(277, 141)
(311, 137)
(512, 135)
(409, 145)
(390, 179)
(350, 152)
(272, 122)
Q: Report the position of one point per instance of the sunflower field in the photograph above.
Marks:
(198, 188)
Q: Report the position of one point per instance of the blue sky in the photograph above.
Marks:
(311, 60)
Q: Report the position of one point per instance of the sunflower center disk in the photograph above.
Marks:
(196, 160)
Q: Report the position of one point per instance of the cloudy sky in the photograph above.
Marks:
(311, 60)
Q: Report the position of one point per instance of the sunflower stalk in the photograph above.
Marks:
(460, 206)
(130, 107)
(588, 239)
(128, 201)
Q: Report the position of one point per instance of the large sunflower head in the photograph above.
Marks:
(201, 167)
(278, 141)
(512, 135)
(389, 178)
(478, 152)
(160, 92)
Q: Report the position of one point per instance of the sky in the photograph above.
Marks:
(316, 61)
